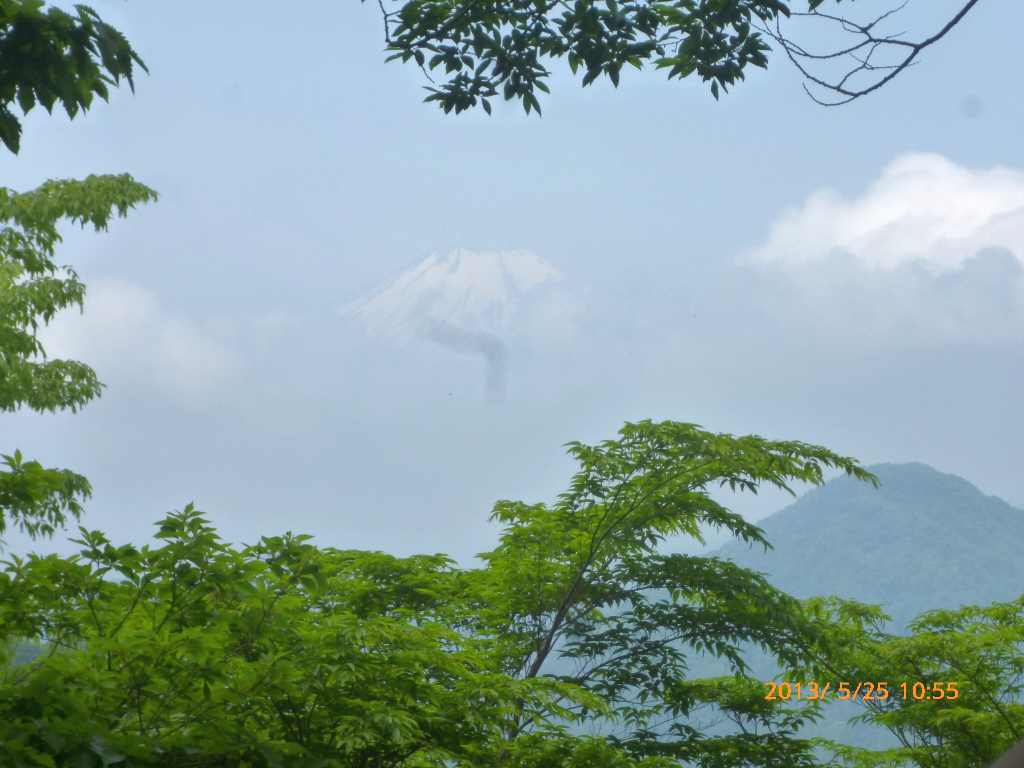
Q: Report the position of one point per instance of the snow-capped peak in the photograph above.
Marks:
(460, 288)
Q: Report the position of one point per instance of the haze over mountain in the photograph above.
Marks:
(921, 540)
(461, 300)
(477, 291)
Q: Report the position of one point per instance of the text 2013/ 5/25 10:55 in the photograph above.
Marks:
(866, 691)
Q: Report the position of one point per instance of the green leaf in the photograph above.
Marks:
(53, 56)
(33, 289)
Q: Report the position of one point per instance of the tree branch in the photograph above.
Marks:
(868, 45)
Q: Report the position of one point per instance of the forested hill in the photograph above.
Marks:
(922, 540)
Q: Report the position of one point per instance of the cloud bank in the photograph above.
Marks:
(125, 329)
(924, 209)
(930, 252)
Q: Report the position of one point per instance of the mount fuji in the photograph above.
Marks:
(461, 300)
(461, 288)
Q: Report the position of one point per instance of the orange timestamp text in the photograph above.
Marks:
(866, 691)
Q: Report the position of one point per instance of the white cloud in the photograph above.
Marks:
(981, 304)
(124, 328)
(924, 209)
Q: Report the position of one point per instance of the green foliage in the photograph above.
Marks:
(194, 653)
(976, 650)
(49, 56)
(579, 592)
(921, 540)
(487, 48)
(33, 289)
(568, 648)
(39, 500)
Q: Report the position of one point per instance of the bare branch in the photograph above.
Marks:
(387, 22)
(864, 53)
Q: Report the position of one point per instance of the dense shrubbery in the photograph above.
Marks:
(963, 672)
(196, 653)
(569, 647)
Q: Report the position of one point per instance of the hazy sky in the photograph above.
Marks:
(850, 276)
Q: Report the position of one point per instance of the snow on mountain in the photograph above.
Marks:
(474, 292)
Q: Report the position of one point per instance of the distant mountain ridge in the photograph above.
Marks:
(923, 539)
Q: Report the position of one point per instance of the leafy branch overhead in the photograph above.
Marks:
(491, 48)
(39, 500)
(33, 289)
(54, 56)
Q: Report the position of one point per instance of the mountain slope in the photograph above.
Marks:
(922, 540)
(461, 288)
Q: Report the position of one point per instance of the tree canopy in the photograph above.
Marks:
(50, 56)
(194, 653)
(33, 289)
(501, 48)
(955, 681)
(568, 647)
(581, 592)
